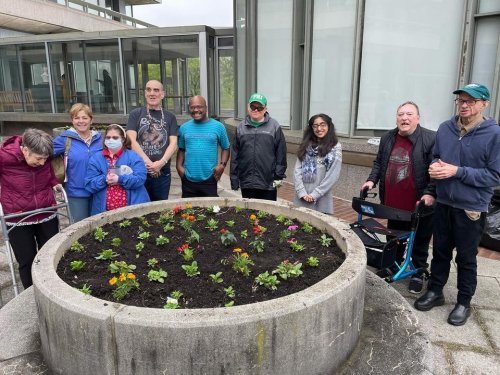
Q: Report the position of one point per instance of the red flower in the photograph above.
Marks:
(222, 231)
(257, 229)
(183, 247)
(177, 209)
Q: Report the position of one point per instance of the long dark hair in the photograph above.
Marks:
(324, 144)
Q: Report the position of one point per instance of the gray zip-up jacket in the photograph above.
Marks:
(258, 155)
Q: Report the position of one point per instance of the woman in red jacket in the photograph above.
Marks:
(27, 181)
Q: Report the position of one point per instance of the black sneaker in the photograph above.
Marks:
(416, 284)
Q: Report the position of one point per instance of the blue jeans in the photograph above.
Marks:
(159, 187)
(79, 207)
(453, 229)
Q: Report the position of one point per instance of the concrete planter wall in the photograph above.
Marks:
(310, 332)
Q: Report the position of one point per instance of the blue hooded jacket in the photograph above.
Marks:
(95, 180)
(477, 155)
(78, 160)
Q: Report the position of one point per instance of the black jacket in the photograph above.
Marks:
(258, 155)
(422, 140)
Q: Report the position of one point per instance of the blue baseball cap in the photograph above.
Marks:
(475, 90)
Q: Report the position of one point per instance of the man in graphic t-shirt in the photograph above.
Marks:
(401, 169)
(153, 133)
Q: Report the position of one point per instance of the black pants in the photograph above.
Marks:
(207, 188)
(454, 229)
(270, 195)
(26, 240)
(420, 251)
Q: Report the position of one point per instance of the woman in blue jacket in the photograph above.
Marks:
(78, 144)
(116, 176)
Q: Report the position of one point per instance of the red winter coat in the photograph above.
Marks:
(24, 188)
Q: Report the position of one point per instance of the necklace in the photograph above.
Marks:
(158, 125)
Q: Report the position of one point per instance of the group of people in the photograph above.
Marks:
(452, 171)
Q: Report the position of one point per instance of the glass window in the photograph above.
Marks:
(68, 74)
(105, 85)
(226, 82)
(489, 6)
(35, 77)
(11, 97)
(274, 56)
(486, 51)
(141, 58)
(332, 60)
(408, 55)
(182, 73)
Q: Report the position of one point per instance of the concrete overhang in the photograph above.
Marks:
(43, 17)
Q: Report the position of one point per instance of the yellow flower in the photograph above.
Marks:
(244, 255)
(188, 206)
(237, 250)
(122, 277)
(130, 276)
(253, 217)
(113, 280)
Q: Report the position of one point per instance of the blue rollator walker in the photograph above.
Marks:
(61, 203)
(382, 254)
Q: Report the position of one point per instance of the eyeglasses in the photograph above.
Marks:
(321, 125)
(469, 102)
(193, 107)
(255, 107)
(115, 137)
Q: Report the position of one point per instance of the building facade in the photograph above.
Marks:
(357, 60)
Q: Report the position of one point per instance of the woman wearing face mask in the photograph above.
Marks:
(116, 176)
(317, 169)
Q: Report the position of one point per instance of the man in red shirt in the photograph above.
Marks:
(401, 169)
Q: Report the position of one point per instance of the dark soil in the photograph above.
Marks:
(211, 255)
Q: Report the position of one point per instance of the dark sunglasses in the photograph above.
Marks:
(255, 107)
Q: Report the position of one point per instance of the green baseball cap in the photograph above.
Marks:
(259, 98)
(475, 90)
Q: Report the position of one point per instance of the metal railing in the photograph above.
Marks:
(96, 10)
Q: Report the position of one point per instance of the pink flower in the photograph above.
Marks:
(293, 227)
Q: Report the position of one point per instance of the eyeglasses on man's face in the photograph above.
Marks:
(469, 102)
(321, 125)
(256, 107)
(196, 107)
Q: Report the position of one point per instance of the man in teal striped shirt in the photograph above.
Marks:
(197, 158)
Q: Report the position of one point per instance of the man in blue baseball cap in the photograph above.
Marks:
(466, 168)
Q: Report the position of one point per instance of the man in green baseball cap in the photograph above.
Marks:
(258, 153)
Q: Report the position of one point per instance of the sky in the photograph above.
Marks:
(215, 13)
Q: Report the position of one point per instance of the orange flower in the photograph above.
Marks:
(131, 276)
(190, 218)
(187, 206)
(237, 250)
(253, 217)
(184, 216)
(244, 255)
(122, 277)
(113, 280)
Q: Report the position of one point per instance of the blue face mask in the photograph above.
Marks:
(113, 144)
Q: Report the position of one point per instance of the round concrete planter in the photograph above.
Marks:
(310, 332)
